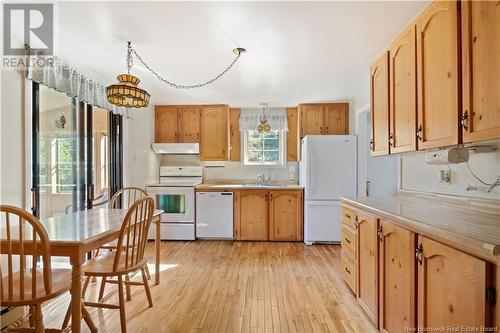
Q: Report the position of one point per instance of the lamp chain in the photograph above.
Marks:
(175, 85)
(130, 61)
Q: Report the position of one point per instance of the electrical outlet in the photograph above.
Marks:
(291, 172)
(445, 176)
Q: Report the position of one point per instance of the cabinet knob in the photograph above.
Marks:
(371, 144)
(391, 140)
(348, 270)
(347, 240)
(419, 133)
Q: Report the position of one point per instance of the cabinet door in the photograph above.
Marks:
(396, 278)
(311, 119)
(292, 141)
(379, 81)
(165, 124)
(253, 215)
(451, 287)
(367, 243)
(437, 75)
(480, 70)
(214, 133)
(189, 124)
(234, 135)
(337, 119)
(402, 92)
(285, 215)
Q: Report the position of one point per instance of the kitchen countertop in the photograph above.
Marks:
(248, 186)
(463, 228)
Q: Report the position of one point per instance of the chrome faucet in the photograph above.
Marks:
(263, 181)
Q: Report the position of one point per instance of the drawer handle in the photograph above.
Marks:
(419, 253)
(348, 270)
(348, 216)
(347, 241)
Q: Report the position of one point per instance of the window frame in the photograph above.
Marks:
(281, 162)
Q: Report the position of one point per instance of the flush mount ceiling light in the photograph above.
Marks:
(264, 126)
(127, 94)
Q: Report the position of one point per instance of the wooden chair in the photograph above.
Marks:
(28, 284)
(124, 198)
(127, 258)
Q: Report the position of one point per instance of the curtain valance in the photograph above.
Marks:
(276, 120)
(57, 74)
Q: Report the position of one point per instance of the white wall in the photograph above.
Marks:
(419, 176)
(12, 158)
(140, 164)
(12, 139)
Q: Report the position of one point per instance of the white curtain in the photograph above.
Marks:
(275, 118)
(57, 74)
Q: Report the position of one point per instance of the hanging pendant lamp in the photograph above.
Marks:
(264, 126)
(126, 93)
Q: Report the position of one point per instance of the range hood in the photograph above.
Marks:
(176, 148)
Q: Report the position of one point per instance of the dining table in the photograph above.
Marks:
(74, 235)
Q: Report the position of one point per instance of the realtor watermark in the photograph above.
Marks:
(451, 328)
(28, 30)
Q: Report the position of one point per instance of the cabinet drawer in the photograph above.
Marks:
(349, 271)
(349, 217)
(348, 241)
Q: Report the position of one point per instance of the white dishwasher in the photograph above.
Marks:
(214, 215)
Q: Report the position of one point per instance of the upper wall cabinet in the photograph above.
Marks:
(324, 119)
(379, 82)
(189, 123)
(234, 135)
(166, 124)
(175, 123)
(437, 75)
(481, 70)
(214, 133)
(402, 91)
(292, 143)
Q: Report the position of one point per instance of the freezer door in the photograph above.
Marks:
(321, 221)
(331, 167)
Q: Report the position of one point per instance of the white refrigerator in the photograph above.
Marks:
(327, 170)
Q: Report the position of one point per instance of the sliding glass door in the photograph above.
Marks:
(72, 144)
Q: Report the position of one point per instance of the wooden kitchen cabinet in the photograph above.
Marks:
(165, 124)
(311, 119)
(234, 135)
(292, 141)
(379, 84)
(285, 215)
(396, 278)
(336, 119)
(189, 123)
(402, 92)
(324, 119)
(214, 133)
(253, 215)
(367, 260)
(438, 75)
(480, 70)
(451, 287)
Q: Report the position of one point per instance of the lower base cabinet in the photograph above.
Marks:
(275, 215)
(451, 287)
(368, 265)
(396, 278)
(408, 283)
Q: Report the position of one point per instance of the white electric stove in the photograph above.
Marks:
(174, 194)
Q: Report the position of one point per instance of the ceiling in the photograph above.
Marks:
(297, 51)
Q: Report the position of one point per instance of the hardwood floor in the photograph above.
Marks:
(223, 286)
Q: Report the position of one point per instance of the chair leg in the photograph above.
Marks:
(146, 287)
(67, 317)
(147, 272)
(101, 290)
(88, 320)
(32, 317)
(85, 286)
(96, 253)
(127, 287)
(123, 320)
(39, 319)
